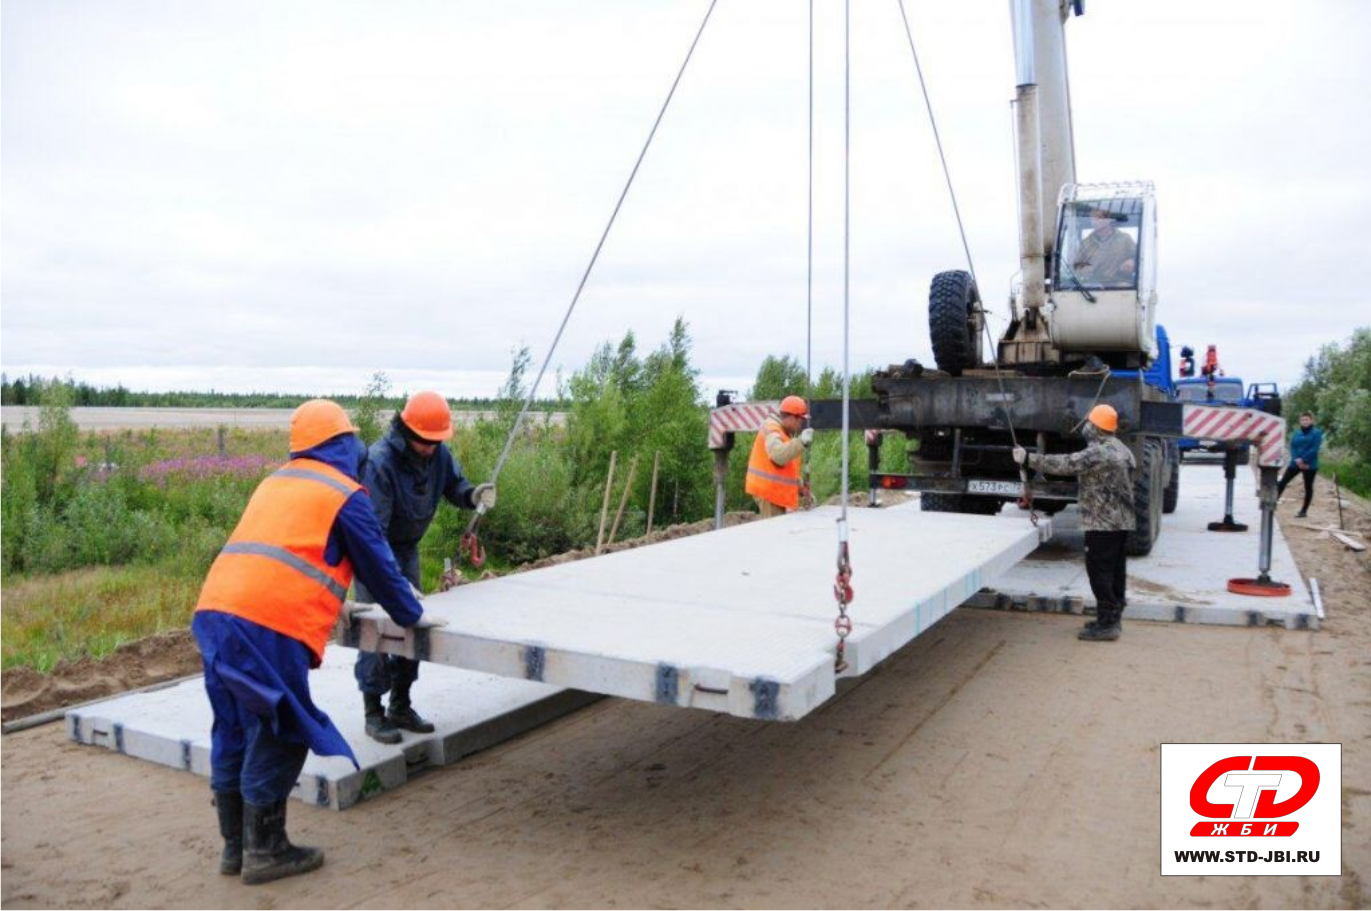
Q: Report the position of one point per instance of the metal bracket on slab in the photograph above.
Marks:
(766, 695)
(668, 685)
(535, 659)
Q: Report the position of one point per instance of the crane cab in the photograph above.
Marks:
(1103, 278)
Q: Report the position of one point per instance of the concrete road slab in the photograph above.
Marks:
(471, 711)
(1185, 577)
(737, 621)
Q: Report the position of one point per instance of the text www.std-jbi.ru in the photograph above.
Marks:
(1270, 857)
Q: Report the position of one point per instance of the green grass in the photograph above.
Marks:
(1352, 473)
(91, 611)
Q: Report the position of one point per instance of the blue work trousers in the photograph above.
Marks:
(377, 674)
(264, 720)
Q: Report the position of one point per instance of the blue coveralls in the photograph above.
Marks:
(405, 490)
(257, 679)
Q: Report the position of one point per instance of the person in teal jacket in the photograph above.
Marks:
(1304, 460)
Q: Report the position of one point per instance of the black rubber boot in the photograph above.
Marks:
(402, 714)
(268, 855)
(1106, 629)
(379, 727)
(229, 805)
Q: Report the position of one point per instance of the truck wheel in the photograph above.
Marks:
(1172, 495)
(952, 304)
(1146, 501)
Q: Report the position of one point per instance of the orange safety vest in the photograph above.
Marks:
(779, 484)
(272, 570)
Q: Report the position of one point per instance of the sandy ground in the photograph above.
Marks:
(996, 761)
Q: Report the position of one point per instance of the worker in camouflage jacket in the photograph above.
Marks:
(1105, 472)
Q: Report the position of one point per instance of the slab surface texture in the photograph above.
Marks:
(471, 711)
(1184, 579)
(738, 620)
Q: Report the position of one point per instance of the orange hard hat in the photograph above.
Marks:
(427, 414)
(316, 421)
(793, 404)
(1105, 418)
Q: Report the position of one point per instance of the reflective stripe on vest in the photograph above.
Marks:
(272, 571)
(310, 475)
(771, 476)
(297, 563)
(778, 484)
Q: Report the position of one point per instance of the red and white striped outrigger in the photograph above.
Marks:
(743, 417)
(1232, 424)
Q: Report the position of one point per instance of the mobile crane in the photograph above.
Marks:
(1083, 331)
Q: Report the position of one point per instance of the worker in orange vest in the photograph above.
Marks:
(773, 470)
(268, 605)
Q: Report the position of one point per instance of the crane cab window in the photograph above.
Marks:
(1098, 247)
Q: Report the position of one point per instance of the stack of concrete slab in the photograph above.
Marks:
(738, 621)
(1184, 579)
(471, 711)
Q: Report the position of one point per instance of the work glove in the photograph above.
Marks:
(414, 590)
(428, 621)
(483, 496)
(1020, 454)
(807, 436)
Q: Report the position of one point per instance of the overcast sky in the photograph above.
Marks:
(292, 195)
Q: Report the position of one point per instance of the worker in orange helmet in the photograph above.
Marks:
(1105, 497)
(773, 470)
(408, 472)
(268, 605)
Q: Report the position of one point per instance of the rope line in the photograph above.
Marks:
(533, 390)
(847, 243)
(1027, 499)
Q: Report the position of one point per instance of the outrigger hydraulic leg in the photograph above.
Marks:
(1230, 472)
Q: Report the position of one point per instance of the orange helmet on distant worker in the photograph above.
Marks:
(316, 421)
(428, 415)
(793, 404)
(1105, 418)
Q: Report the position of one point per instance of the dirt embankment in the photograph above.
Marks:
(154, 659)
(169, 655)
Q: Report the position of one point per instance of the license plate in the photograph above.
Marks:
(1002, 488)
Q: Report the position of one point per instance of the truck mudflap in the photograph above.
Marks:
(980, 487)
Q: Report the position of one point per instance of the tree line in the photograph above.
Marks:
(32, 390)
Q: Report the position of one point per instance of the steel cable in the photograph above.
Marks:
(533, 390)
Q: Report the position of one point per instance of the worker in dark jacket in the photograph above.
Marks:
(1304, 460)
(1105, 472)
(267, 608)
(407, 473)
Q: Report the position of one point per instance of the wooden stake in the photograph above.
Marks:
(652, 497)
(1337, 493)
(604, 507)
(623, 501)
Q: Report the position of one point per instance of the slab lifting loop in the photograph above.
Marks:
(1026, 501)
(842, 586)
(470, 541)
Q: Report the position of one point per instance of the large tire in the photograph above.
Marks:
(952, 304)
(1171, 496)
(1147, 506)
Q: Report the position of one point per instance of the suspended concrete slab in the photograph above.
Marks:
(471, 711)
(1184, 579)
(738, 620)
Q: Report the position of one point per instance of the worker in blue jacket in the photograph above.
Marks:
(1304, 460)
(408, 472)
(268, 605)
